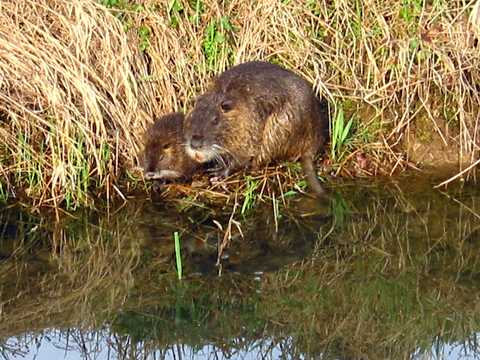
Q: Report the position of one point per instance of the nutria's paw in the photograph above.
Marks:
(214, 180)
(219, 173)
(217, 179)
(158, 185)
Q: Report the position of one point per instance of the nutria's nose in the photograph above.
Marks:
(196, 141)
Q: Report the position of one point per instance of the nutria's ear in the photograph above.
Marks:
(195, 101)
(267, 105)
(226, 105)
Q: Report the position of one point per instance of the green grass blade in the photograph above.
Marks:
(346, 130)
(178, 255)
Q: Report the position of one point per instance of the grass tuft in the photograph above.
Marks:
(340, 132)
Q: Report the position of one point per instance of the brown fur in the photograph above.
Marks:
(165, 158)
(256, 113)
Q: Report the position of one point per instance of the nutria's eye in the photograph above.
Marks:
(226, 105)
(166, 146)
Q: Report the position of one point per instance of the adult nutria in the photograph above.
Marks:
(256, 113)
(165, 157)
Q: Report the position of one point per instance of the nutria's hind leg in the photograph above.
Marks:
(311, 175)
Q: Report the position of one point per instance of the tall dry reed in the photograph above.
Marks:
(73, 98)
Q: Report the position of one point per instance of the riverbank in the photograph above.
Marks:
(80, 82)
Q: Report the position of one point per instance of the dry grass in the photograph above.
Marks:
(76, 89)
(72, 98)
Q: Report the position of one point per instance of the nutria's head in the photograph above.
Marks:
(165, 157)
(215, 126)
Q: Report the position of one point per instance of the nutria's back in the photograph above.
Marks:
(265, 82)
(256, 113)
(165, 157)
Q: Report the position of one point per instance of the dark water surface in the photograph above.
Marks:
(385, 270)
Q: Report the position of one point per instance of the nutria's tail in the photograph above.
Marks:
(311, 175)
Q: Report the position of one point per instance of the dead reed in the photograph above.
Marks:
(72, 98)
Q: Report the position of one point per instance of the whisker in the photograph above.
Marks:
(221, 160)
(228, 152)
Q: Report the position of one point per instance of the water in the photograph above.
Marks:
(54, 345)
(386, 270)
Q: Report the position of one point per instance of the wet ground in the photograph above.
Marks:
(384, 270)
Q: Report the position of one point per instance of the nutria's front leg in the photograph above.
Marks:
(157, 185)
(226, 168)
(220, 172)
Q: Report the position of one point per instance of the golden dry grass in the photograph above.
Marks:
(72, 99)
(79, 82)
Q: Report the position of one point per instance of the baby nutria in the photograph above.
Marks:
(256, 113)
(165, 157)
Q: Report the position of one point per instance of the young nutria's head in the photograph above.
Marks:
(165, 157)
(217, 124)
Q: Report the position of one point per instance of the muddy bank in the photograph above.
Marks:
(397, 76)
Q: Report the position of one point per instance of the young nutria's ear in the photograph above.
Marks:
(212, 85)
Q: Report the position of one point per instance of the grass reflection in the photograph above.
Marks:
(384, 271)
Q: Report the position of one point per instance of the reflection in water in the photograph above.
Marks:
(58, 345)
(54, 345)
(385, 271)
